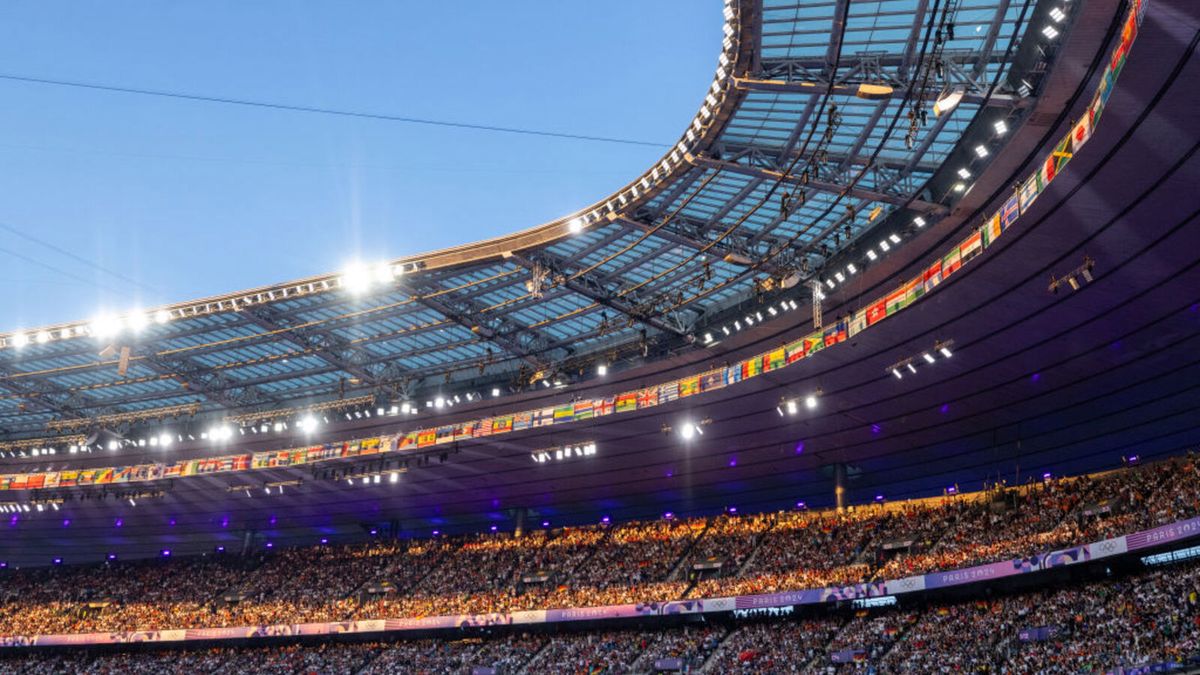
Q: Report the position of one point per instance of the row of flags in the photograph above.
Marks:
(906, 294)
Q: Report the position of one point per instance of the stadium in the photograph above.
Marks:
(886, 363)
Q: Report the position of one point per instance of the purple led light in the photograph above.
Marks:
(945, 408)
(800, 448)
(545, 523)
(66, 522)
(58, 561)
(324, 540)
(166, 553)
(1035, 377)
(220, 549)
(733, 509)
(374, 532)
(436, 533)
(668, 515)
(171, 522)
(270, 544)
(494, 528)
(119, 522)
(733, 461)
(1046, 476)
(112, 556)
(875, 429)
(951, 490)
(606, 520)
(801, 505)
(878, 498)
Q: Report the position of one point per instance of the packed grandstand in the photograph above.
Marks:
(630, 441)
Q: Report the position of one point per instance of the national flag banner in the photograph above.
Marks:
(5, 481)
(370, 446)
(896, 301)
(543, 417)
(604, 406)
(582, 410)
(508, 423)
(932, 276)
(122, 474)
(353, 448)
(876, 312)
(51, 480)
(858, 323)
(242, 462)
(777, 359)
(190, 468)
(795, 350)
(1081, 132)
(1059, 156)
(951, 262)
(647, 398)
(914, 289)
(298, 457)
(990, 230)
(426, 438)
(1010, 212)
(225, 463)
(19, 481)
(564, 413)
(104, 476)
(971, 247)
(261, 460)
(713, 379)
(750, 368)
(733, 374)
(484, 428)
(461, 431)
(521, 420)
(814, 343)
(68, 478)
(409, 440)
(1029, 192)
(627, 402)
(689, 386)
(668, 392)
(1047, 171)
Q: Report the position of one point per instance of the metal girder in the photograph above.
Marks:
(326, 345)
(822, 186)
(45, 396)
(210, 383)
(817, 88)
(719, 249)
(837, 32)
(597, 290)
(811, 67)
(503, 332)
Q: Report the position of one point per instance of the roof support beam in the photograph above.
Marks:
(598, 292)
(717, 248)
(210, 383)
(323, 344)
(870, 92)
(822, 186)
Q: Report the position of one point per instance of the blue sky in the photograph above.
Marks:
(112, 201)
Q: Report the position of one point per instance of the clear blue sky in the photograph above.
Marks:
(187, 199)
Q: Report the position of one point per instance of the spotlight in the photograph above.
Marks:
(810, 402)
(928, 357)
(575, 226)
(687, 431)
(162, 316)
(945, 352)
(1050, 32)
(1001, 127)
(947, 101)
(791, 406)
(981, 151)
(919, 221)
(896, 372)
(1057, 14)
(495, 391)
(871, 254)
(912, 368)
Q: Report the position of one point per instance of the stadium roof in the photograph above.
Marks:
(828, 102)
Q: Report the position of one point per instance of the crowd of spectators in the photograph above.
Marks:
(639, 562)
(1143, 620)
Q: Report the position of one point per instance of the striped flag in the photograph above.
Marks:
(1010, 212)
(990, 230)
(971, 246)
(521, 420)
(1029, 192)
(859, 322)
(932, 276)
(668, 392)
(627, 402)
(951, 262)
(583, 410)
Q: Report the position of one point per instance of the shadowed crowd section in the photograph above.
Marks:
(1148, 620)
(606, 564)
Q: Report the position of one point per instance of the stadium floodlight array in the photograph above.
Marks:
(566, 452)
(940, 352)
